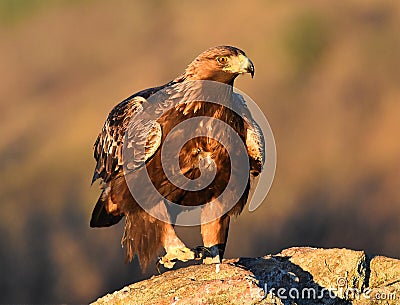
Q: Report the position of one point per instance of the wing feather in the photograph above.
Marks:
(109, 143)
(254, 138)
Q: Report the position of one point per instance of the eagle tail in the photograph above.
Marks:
(142, 236)
(100, 216)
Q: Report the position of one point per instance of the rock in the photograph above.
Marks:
(295, 276)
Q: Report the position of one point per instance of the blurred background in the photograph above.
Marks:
(327, 78)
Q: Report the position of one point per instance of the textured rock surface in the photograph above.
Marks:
(294, 276)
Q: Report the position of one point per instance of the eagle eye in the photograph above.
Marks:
(222, 59)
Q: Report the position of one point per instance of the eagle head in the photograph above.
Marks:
(221, 63)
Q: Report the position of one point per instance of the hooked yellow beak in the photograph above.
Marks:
(246, 65)
(241, 64)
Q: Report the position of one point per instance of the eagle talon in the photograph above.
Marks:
(200, 252)
(174, 255)
(212, 260)
(209, 255)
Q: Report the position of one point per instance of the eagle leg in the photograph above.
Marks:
(175, 249)
(214, 234)
(213, 252)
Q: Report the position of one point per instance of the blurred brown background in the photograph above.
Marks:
(327, 77)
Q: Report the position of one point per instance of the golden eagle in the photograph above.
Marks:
(144, 234)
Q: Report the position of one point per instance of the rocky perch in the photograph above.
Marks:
(294, 276)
